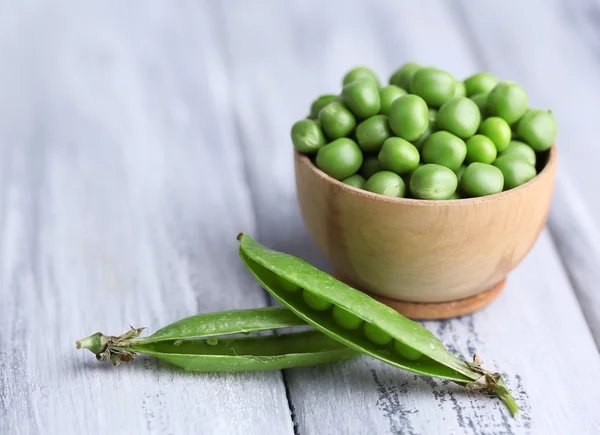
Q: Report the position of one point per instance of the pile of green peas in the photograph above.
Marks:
(426, 135)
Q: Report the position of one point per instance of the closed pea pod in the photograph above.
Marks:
(433, 359)
(179, 343)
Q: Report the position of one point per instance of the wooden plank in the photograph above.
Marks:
(122, 192)
(300, 49)
(551, 49)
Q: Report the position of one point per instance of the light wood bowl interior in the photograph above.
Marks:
(422, 251)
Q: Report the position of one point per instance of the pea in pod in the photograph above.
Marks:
(411, 346)
(179, 343)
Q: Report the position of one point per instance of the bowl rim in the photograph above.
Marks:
(549, 167)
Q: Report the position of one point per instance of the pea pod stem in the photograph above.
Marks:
(179, 343)
(269, 267)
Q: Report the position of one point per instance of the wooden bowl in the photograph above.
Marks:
(423, 257)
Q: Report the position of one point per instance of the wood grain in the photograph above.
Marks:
(551, 48)
(111, 214)
(138, 139)
(516, 334)
(422, 251)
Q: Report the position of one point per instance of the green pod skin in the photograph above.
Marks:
(399, 156)
(372, 132)
(520, 149)
(340, 159)
(386, 183)
(459, 116)
(516, 171)
(178, 342)
(507, 100)
(370, 166)
(433, 182)
(498, 130)
(403, 76)
(480, 179)
(409, 117)
(436, 361)
(319, 103)
(538, 129)
(362, 98)
(481, 149)
(433, 85)
(307, 136)
(388, 95)
(480, 83)
(355, 180)
(360, 73)
(444, 148)
(336, 120)
(481, 101)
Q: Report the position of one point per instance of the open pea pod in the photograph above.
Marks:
(362, 323)
(191, 343)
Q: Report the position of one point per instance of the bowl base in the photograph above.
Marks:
(439, 310)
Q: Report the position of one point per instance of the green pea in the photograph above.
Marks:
(386, 183)
(376, 334)
(407, 352)
(262, 262)
(431, 115)
(433, 85)
(360, 73)
(538, 129)
(455, 196)
(498, 130)
(407, 177)
(507, 100)
(370, 166)
(287, 285)
(481, 179)
(355, 180)
(459, 116)
(420, 141)
(398, 155)
(372, 132)
(520, 149)
(307, 136)
(409, 117)
(315, 302)
(403, 76)
(340, 159)
(433, 181)
(346, 319)
(362, 98)
(481, 101)
(460, 90)
(481, 149)
(459, 172)
(388, 95)
(515, 170)
(444, 148)
(480, 83)
(319, 103)
(336, 120)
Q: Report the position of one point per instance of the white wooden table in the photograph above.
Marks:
(138, 139)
